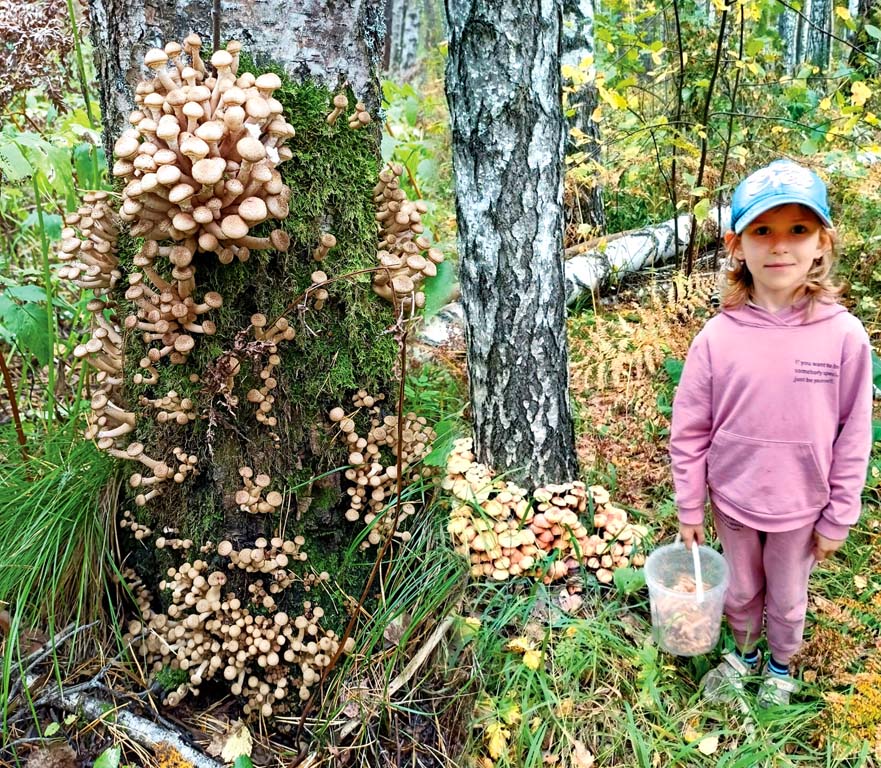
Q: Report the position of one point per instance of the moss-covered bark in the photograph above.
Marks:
(338, 349)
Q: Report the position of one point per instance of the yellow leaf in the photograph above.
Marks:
(496, 739)
(535, 723)
(610, 48)
(859, 93)
(532, 659)
(597, 114)
(657, 56)
(520, 644)
(825, 103)
(237, 743)
(843, 13)
(708, 745)
(691, 734)
(860, 582)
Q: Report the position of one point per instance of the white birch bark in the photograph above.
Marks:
(818, 40)
(328, 43)
(410, 35)
(787, 28)
(503, 86)
(652, 246)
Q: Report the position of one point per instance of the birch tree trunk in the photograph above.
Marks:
(333, 169)
(410, 36)
(586, 206)
(503, 87)
(326, 43)
(818, 40)
(788, 27)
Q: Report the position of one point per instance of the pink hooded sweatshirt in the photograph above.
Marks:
(774, 415)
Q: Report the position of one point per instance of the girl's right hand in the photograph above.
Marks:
(690, 534)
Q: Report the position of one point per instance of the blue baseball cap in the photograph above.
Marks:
(780, 183)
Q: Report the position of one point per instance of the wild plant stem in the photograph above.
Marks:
(13, 405)
(50, 308)
(84, 86)
(680, 78)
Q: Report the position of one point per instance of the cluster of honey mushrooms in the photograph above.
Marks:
(207, 632)
(197, 169)
(504, 533)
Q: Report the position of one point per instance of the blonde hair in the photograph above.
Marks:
(820, 284)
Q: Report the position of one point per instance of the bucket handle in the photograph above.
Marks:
(698, 576)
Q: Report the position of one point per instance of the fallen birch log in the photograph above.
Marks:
(139, 729)
(649, 247)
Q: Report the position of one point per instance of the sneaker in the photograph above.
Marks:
(775, 691)
(724, 683)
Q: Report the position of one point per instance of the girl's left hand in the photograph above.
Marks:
(823, 547)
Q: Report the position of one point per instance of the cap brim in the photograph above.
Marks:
(763, 206)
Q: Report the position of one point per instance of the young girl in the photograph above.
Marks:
(774, 416)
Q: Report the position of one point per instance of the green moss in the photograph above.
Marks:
(169, 678)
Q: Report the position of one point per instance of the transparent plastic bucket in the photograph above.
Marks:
(682, 623)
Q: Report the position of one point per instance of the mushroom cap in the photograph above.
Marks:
(212, 130)
(234, 46)
(193, 109)
(180, 192)
(165, 156)
(183, 222)
(173, 48)
(192, 41)
(340, 101)
(221, 59)
(268, 80)
(126, 146)
(280, 239)
(234, 95)
(233, 227)
(257, 108)
(251, 149)
(253, 209)
(203, 214)
(168, 127)
(194, 147)
(209, 170)
(199, 93)
(155, 58)
(168, 175)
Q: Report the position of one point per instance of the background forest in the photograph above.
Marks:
(453, 660)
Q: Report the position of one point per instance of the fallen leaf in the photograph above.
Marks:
(509, 711)
(809, 676)
(237, 743)
(691, 734)
(532, 659)
(496, 739)
(708, 744)
(860, 582)
(583, 756)
(520, 644)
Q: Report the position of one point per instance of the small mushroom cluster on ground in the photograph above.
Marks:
(405, 255)
(265, 656)
(150, 484)
(251, 498)
(373, 460)
(504, 533)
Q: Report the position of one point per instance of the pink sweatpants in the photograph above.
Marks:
(768, 578)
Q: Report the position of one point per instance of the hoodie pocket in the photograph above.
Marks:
(767, 476)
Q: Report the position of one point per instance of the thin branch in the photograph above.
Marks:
(13, 405)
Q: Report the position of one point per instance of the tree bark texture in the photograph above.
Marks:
(818, 40)
(338, 349)
(503, 87)
(788, 27)
(586, 205)
(410, 35)
(326, 43)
